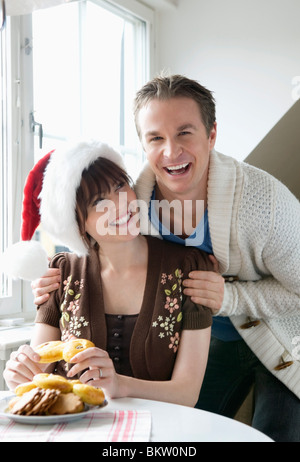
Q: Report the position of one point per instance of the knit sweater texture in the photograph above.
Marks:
(254, 223)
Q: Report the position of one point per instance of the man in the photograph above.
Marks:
(251, 225)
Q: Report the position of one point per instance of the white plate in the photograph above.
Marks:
(41, 419)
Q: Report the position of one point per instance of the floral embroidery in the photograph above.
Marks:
(171, 304)
(71, 322)
(163, 278)
(166, 324)
(174, 342)
(174, 290)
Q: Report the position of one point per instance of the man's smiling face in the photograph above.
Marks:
(177, 145)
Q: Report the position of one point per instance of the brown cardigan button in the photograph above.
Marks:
(283, 364)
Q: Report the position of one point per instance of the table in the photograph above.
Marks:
(174, 423)
(171, 422)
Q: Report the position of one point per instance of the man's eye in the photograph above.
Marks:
(156, 138)
(184, 133)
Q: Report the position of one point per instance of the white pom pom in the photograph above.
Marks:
(24, 260)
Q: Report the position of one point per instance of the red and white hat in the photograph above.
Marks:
(50, 199)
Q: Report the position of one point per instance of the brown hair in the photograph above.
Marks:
(96, 180)
(175, 86)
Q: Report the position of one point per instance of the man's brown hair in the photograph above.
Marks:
(176, 86)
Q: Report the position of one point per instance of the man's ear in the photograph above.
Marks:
(213, 136)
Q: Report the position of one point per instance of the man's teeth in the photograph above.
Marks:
(122, 221)
(176, 169)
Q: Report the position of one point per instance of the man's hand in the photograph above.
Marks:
(42, 287)
(206, 287)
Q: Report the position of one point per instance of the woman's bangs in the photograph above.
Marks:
(98, 179)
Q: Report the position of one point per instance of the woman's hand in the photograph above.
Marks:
(98, 370)
(206, 287)
(42, 287)
(21, 367)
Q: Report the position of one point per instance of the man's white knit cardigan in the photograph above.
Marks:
(254, 224)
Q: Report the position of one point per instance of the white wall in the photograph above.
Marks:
(247, 52)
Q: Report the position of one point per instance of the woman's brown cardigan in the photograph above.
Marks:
(77, 307)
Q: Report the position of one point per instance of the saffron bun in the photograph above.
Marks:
(89, 394)
(24, 388)
(53, 351)
(75, 381)
(75, 346)
(50, 352)
(52, 381)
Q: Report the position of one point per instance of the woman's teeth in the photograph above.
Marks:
(177, 169)
(122, 221)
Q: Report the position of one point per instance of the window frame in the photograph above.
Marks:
(11, 303)
(146, 14)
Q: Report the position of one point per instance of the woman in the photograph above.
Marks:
(121, 290)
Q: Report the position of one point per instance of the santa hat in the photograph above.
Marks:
(50, 199)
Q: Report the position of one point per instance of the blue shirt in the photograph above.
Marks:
(222, 328)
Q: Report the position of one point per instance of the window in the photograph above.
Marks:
(69, 71)
(86, 74)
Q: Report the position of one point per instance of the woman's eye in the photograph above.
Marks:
(97, 201)
(120, 185)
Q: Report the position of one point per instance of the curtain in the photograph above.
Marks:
(18, 7)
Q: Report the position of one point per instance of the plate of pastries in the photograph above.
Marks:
(51, 398)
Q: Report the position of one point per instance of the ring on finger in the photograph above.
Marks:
(100, 373)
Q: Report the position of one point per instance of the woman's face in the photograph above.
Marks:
(114, 215)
